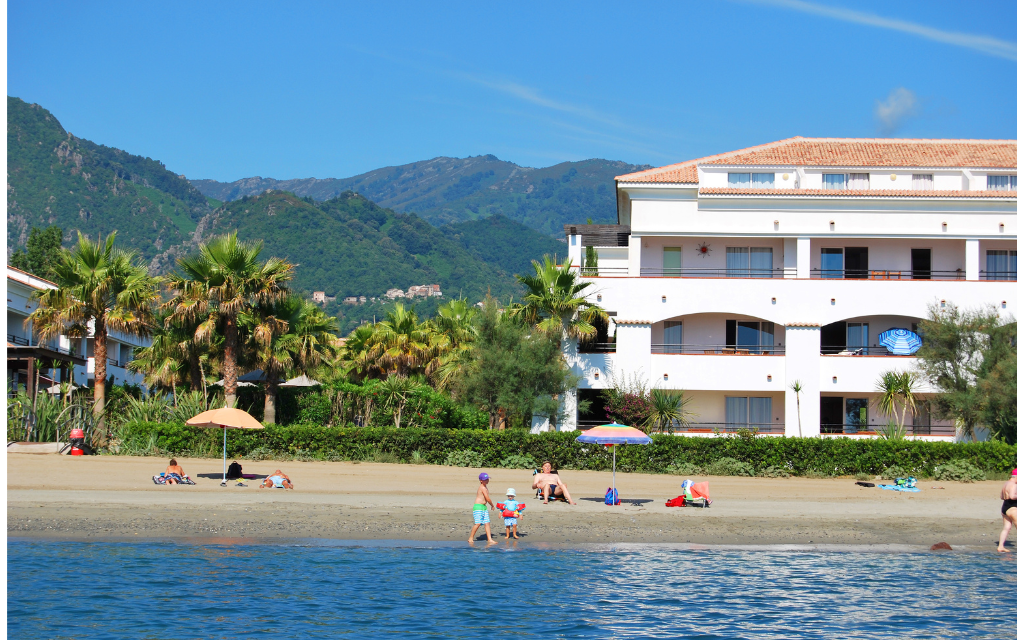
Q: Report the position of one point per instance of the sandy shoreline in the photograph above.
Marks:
(102, 497)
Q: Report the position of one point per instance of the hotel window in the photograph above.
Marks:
(752, 180)
(1001, 265)
(748, 262)
(673, 336)
(671, 262)
(833, 181)
(743, 412)
(1002, 183)
(922, 182)
(856, 415)
(860, 181)
(753, 336)
(857, 337)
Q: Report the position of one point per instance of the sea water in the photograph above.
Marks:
(234, 589)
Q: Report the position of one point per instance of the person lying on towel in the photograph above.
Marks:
(174, 473)
(277, 480)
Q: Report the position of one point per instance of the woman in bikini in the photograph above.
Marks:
(1009, 510)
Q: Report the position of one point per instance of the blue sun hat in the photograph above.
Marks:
(484, 476)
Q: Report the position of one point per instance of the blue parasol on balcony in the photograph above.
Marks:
(900, 342)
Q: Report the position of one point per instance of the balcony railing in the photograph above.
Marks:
(999, 275)
(597, 347)
(732, 427)
(652, 272)
(717, 349)
(870, 430)
(886, 274)
(604, 272)
(702, 427)
(25, 342)
(860, 351)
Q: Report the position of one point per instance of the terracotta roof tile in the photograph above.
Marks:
(846, 152)
(875, 193)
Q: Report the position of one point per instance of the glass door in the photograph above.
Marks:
(673, 336)
(672, 262)
(760, 262)
(831, 263)
(856, 415)
(737, 262)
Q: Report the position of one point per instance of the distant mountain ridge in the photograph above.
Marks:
(447, 190)
(54, 177)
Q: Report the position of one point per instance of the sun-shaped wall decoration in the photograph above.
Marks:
(703, 249)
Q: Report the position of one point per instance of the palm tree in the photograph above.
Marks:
(287, 335)
(403, 344)
(103, 284)
(395, 392)
(223, 280)
(454, 331)
(357, 355)
(555, 301)
(897, 394)
(798, 389)
(669, 407)
(161, 362)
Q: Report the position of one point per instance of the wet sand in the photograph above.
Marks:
(106, 497)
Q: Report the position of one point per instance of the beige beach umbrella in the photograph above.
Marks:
(226, 418)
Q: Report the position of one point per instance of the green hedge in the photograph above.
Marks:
(838, 456)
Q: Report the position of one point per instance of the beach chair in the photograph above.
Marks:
(540, 492)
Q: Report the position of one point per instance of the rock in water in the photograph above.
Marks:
(941, 546)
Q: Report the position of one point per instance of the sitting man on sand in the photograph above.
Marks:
(550, 484)
(174, 472)
(277, 480)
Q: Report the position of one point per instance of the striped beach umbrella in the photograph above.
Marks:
(613, 435)
(900, 342)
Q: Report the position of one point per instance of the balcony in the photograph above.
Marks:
(597, 347)
(698, 272)
(860, 351)
(887, 274)
(17, 341)
(604, 272)
(717, 349)
(731, 427)
(870, 430)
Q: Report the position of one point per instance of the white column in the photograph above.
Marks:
(575, 250)
(803, 353)
(633, 350)
(972, 259)
(789, 259)
(566, 418)
(803, 258)
(635, 246)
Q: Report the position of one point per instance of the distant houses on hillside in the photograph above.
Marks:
(415, 291)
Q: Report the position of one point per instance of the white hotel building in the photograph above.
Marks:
(734, 275)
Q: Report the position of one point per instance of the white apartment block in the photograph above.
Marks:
(735, 275)
(63, 359)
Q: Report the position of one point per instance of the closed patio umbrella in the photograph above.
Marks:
(226, 418)
(613, 435)
(900, 342)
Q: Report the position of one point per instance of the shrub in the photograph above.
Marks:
(891, 473)
(863, 476)
(417, 458)
(774, 472)
(959, 471)
(684, 469)
(464, 458)
(517, 461)
(814, 473)
(259, 453)
(829, 457)
(730, 467)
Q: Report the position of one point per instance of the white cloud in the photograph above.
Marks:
(901, 105)
(984, 44)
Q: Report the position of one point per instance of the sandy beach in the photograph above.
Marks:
(114, 498)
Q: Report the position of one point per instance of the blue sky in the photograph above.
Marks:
(230, 90)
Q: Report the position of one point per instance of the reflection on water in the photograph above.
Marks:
(230, 589)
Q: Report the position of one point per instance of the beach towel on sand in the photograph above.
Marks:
(893, 487)
(162, 479)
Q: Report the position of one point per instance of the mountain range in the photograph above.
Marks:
(450, 190)
(344, 245)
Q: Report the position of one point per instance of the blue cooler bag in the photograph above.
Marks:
(612, 497)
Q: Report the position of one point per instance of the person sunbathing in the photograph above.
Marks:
(550, 484)
(174, 472)
(277, 480)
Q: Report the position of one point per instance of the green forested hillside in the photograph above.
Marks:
(349, 246)
(54, 177)
(510, 245)
(450, 190)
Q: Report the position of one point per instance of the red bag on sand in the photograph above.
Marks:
(676, 502)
